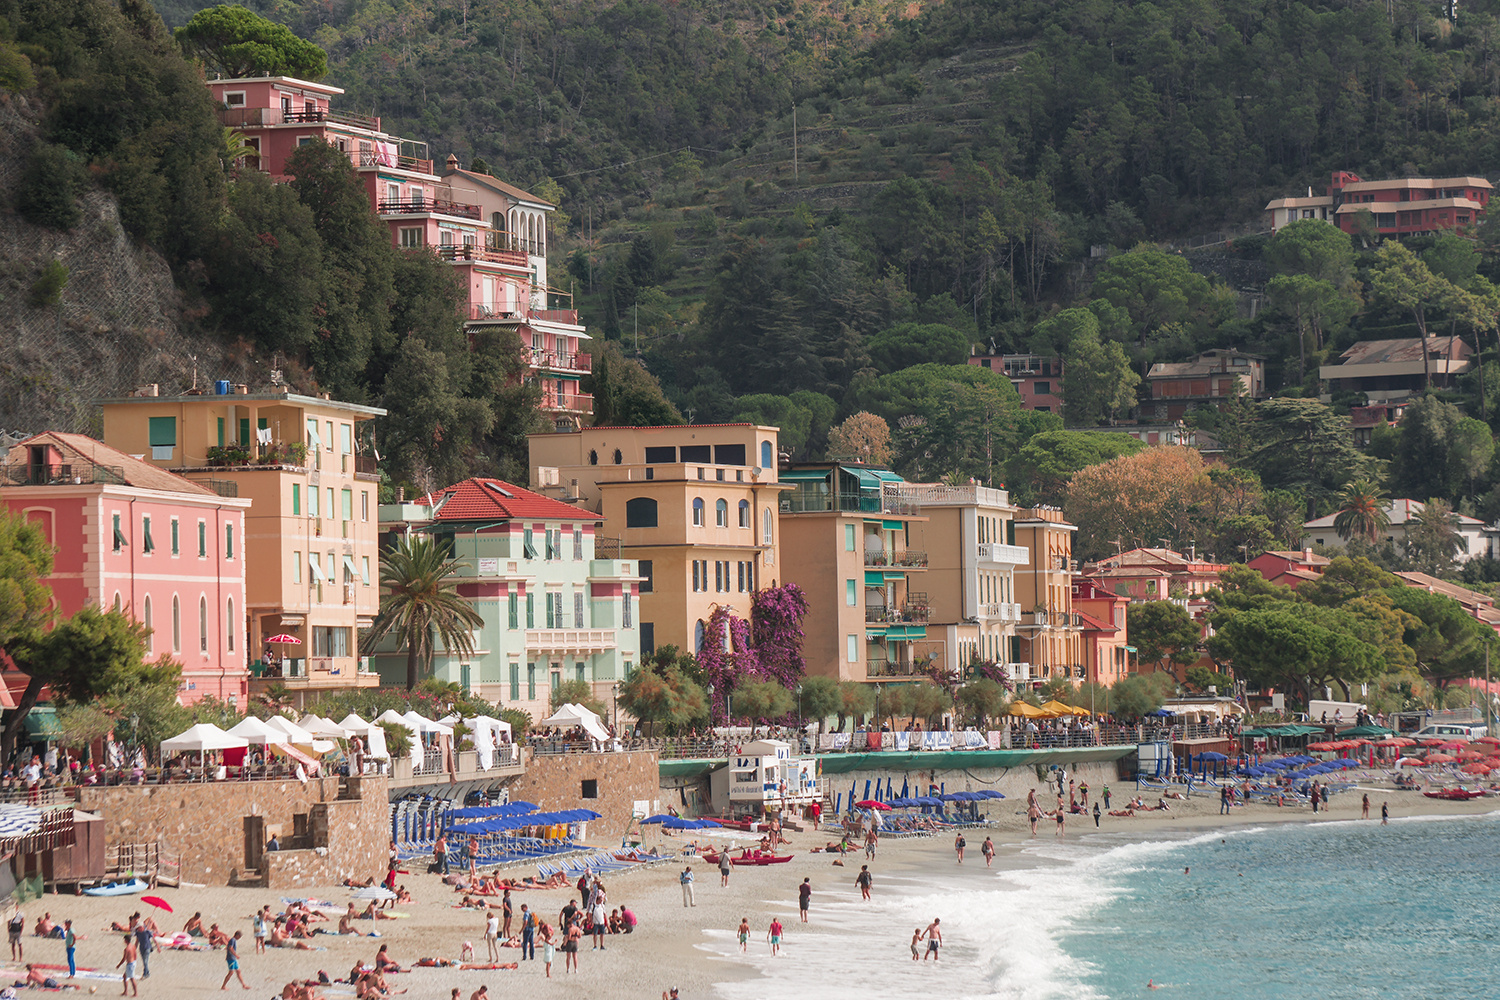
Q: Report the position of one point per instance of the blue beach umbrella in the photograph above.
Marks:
(658, 818)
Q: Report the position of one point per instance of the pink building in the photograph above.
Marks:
(493, 233)
(1038, 380)
(128, 535)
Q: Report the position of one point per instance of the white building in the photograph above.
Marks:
(764, 775)
(1477, 540)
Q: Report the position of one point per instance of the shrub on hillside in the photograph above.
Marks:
(50, 186)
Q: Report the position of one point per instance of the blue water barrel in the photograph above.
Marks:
(221, 387)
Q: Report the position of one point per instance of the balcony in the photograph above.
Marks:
(420, 206)
(1005, 555)
(884, 668)
(473, 252)
(481, 313)
(558, 361)
(805, 501)
(570, 640)
(366, 465)
(606, 548)
(330, 115)
(1000, 612)
(74, 473)
(1050, 619)
(576, 403)
(905, 559)
(223, 487)
(568, 316)
(907, 614)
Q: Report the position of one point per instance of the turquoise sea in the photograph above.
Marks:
(1341, 909)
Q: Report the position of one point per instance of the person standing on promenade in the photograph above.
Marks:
(934, 937)
(804, 897)
(232, 957)
(127, 959)
(863, 880)
(686, 878)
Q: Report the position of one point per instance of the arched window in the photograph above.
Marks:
(640, 512)
(618, 457)
(117, 600)
(698, 637)
(721, 513)
(765, 521)
(146, 621)
(229, 626)
(697, 512)
(176, 625)
(593, 457)
(765, 455)
(744, 513)
(203, 624)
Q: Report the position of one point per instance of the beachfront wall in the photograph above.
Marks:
(615, 785)
(1012, 782)
(205, 825)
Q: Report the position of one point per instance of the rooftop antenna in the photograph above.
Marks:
(195, 370)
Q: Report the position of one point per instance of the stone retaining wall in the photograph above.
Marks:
(556, 782)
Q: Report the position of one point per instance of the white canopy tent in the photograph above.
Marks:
(297, 736)
(324, 728)
(256, 732)
(485, 732)
(569, 715)
(200, 739)
(426, 726)
(393, 716)
(371, 733)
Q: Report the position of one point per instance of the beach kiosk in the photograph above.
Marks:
(765, 776)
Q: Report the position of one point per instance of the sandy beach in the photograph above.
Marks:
(671, 947)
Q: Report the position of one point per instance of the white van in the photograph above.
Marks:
(1452, 730)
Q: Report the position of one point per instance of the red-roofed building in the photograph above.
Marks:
(557, 601)
(1290, 568)
(1106, 658)
(167, 551)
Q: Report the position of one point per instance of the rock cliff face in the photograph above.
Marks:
(121, 321)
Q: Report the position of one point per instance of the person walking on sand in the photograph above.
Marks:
(506, 913)
(1096, 815)
(1033, 814)
(1364, 807)
(804, 897)
(528, 933)
(686, 878)
(570, 949)
(774, 936)
(232, 956)
(1105, 793)
(549, 949)
(127, 959)
(934, 935)
(958, 847)
(863, 880)
(1061, 816)
(988, 850)
(492, 935)
(744, 934)
(724, 866)
(16, 927)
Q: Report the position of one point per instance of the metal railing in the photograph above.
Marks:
(905, 559)
(471, 251)
(439, 206)
(382, 158)
(366, 465)
(330, 115)
(483, 311)
(562, 360)
(223, 487)
(568, 402)
(908, 613)
(28, 474)
(606, 548)
(885, 668)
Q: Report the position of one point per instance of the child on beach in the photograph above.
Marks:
(744, 933)
(916, 940)
(774, 936)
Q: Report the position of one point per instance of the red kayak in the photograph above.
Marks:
(756, 859)
(1456, 794)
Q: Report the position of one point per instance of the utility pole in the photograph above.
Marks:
(794, 143)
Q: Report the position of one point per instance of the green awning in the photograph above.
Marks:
(893, 525)
(874, 579)
(868, 480)
(906, 632)
(41, 723)
(874, 631)
(1366, 731)
(942, 760)
(803, 476)
(893, 574)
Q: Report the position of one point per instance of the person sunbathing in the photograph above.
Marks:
(1122, 812)
(384, 962)
(280, 939)
(365, 987)
(216, 937)
(470, 903)
(194, 926)
(371, 913)
(1161, 804)
(44, 925)
(614, 922)
(402, 896)
(352, 883)
(35, 977)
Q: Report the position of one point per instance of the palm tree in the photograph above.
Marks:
(1361, 511)
(421, 598)
(1432, 537)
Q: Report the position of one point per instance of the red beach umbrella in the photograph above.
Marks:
(158, 902)
(1439, 758)
(1495, 740)
(872, 804)
(284, 637)
(1453, 745)
(1393, 742)
(1479, 767)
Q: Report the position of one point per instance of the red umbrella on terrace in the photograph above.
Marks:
(872, 804)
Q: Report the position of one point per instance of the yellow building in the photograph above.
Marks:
(312, 569)
(969, 535)
(847, 542)
(1050, 632)
(694, 505)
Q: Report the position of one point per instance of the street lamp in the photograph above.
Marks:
(801, 732)
(710, 704)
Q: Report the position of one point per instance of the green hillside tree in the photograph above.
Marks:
(238, 42)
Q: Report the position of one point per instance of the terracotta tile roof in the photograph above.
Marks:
(1374, 352)
(82, 448)
(1092, 624)
(481, 499)
(496, 184)
(1299, 557)
(1463, 595)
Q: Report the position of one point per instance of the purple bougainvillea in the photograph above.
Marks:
(774, 652)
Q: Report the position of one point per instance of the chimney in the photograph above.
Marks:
(1307, 555)
(400, 494)
(452, 162)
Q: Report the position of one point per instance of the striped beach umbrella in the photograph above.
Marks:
(17, 820)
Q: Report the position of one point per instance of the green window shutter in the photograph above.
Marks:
(346, 497)
(228, 541)
(176, 549)
(163, 432)
(515, 682)
(528, 547)
(202, 540)
(221, 432)
(244, 431)
(147, 544)
(530, 610)
(551, 620)
(515, 609)
(120, 542)
(296, 499)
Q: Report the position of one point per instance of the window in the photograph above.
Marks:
(513, 603)
(851, 594)
(328, 511)
(230, 628)
(765, 521)
(203, 624)
(346, 439)
(117, 600)
(698, 637)
(853, 651)
(146, 620)
(578, 671)
(625, 617)
(119, 535)
(147, 545)
(648, 639)
(528, 544)
(1042, 388)
(531, 681)
(314, 440)
(202, 539)
(700, 571)
(176, 549)
(234, 98)
(578, 545)
(744, 513)
(296, 567)
(721, 513)
(645, 572)
(296, 499)
(163, 437)
(555, 599)
(590, 789)
(578, 616)
(515, 682)
(766, 458)
(364, 505)
(664, 455)
(593, 457)
(640, 512)
(618, 457)
(697, 512)
(718, 577)
(328, 444)
(330, 640)
(312, 502)
(176, 625)
(411, 237)
(364, 570)
(729, 454)
(346, 499)
(228, 541)
(849, 538)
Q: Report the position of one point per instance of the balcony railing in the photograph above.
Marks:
(562, 361)
(568, 402)
(223, 487)
(439, 206)
(1011, 555)
(26, 474)
(569, 316)
(1001, 612)
(802, 501)
(885, 668)
(905, 559)
(1051, 619)
(606, 548)
(493, 314)
(330, 115)
(470, 251)
(916, 614)
(382, 158)
(366, 465)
